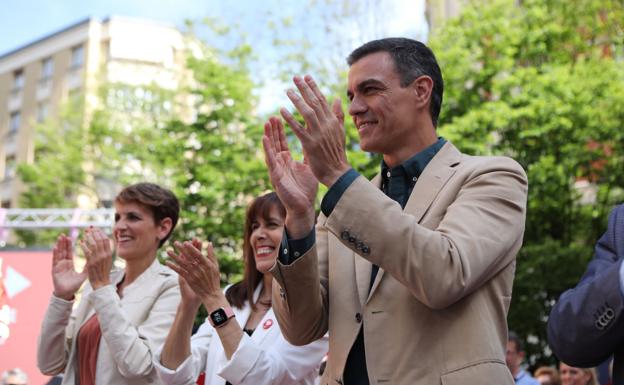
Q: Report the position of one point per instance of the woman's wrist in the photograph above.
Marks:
(188, 306)
(98, 284)
(215, 301)
(64, 296)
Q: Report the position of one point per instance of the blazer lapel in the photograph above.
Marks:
(431, 181)
(363, 270)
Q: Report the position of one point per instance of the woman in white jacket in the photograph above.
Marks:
(123, 315)
(240, 342)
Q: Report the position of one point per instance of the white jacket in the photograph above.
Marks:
(264, 358)
(132, 328)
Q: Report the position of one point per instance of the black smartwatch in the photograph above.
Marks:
(220, 316)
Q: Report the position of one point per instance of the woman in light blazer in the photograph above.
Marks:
(123, 315)
(240, 342)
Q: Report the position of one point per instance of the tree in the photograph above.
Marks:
(542, 82)
(216, 162)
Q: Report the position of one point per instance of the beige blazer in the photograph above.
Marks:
(436, 313)
(132, 328)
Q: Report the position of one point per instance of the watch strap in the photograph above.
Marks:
(218, 314)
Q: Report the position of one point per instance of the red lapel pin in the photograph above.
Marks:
(267, 324)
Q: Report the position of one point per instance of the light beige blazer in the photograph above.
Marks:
(133, 327)
(436, 313)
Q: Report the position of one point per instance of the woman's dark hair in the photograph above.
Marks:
(243, 291)
(160, 201)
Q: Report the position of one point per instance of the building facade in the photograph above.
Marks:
(38, 78)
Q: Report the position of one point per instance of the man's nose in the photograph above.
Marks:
(357, 106)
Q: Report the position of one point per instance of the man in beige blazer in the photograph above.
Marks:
(410, 273)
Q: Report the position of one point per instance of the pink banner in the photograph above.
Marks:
(25, 288)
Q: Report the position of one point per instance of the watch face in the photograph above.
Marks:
(218, 317)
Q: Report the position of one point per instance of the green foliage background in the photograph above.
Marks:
(542, 82)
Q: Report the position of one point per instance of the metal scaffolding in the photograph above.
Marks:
(73, 219)
(55, 218)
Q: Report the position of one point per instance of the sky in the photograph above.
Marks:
(22, 22)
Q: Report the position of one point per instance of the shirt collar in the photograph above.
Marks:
(414, 166)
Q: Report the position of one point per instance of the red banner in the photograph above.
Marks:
(25, 289)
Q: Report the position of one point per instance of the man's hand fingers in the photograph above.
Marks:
(309, 114)
(337, 110)
(277, 134)
(297, 128)
(318, 95)
(210, 253)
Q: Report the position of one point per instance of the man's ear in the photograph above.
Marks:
(422, 87)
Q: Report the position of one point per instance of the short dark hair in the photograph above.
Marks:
(411, 60)
(243, 291)
(513, 337)
(159, 200)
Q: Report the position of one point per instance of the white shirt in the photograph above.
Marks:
(265, 357)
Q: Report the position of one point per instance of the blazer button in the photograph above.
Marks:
(352, 239)
(358, 317)
(365, 250)
(605, 319)
(345, 235)
(359, 245)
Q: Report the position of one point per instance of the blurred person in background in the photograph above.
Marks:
(577, 376)
(514, 356)
(14, 376)
(240, 342)
(124, 314)
(547, 375)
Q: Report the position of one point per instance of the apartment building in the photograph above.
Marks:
(39, 77)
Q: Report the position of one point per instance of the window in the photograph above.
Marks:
(14, 123)
(77, 56)
(18, 80)
(42, 111)
(47, 68)
(9, 167)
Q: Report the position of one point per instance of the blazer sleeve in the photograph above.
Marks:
(586, 325)
(300, 303)
(280, 364)
(132, 346)
(53, 342)
(193, 365)
(482, 215)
